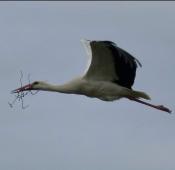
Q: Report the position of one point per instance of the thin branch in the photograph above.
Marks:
(20, 95)
(33, 93)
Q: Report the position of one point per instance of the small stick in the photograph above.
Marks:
(20, 95)
(33, 93)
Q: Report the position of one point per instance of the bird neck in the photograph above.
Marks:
(70, 87)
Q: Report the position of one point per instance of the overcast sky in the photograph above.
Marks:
(67, 132)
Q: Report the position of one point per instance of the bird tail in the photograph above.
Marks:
(140, 94)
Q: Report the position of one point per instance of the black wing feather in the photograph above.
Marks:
(125, 65)
(111, 63)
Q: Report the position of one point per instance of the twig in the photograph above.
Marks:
(20, 95)
(33, 93)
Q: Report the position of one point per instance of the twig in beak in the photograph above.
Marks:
(21, 92)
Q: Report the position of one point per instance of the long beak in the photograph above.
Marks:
(24, 88)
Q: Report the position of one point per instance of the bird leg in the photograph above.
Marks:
(159, 107)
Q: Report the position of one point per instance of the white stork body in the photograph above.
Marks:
(100, 89)
(102, 79)
(103, 90)
(109, 76)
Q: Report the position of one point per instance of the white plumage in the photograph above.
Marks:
(110, 75)
(87, 48)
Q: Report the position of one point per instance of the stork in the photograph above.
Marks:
(109, 76)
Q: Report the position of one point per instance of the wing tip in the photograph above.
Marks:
(84, 40)
(138, 62)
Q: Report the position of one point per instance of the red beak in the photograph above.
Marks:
(24, 88)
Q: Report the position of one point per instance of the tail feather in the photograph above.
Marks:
(140, 94)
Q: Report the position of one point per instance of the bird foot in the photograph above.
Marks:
(163, 108)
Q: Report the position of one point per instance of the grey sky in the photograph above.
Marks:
(65, 132)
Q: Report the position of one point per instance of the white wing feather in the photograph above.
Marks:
(107, 62)
(87, 47)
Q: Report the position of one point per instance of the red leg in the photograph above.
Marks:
(159, 107)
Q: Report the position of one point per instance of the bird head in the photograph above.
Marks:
(36, 85)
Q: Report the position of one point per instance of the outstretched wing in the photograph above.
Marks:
(110, 63)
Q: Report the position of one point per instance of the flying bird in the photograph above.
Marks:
(109, 76)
